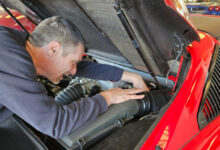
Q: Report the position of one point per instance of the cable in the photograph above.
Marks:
(181, 49)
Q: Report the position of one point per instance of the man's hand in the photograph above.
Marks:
(135, 79)
(118, 95)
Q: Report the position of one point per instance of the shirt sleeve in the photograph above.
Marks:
(98, 71)
(27, 98)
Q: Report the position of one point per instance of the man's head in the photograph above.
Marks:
(60, 45)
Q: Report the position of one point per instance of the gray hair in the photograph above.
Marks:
(56, 29)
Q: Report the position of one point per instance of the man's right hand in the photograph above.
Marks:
(118, 95)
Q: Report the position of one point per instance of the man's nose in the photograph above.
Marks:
(73, 70)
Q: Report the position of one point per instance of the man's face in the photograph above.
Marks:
(60, 64)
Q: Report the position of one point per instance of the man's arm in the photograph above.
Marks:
(98, 71)
(111, 73)
(28, 99)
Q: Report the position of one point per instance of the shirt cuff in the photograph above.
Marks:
(101, 102)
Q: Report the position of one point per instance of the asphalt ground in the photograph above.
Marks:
(209, 23)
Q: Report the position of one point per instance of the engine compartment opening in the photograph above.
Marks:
(124, 118)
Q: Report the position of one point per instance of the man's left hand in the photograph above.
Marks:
(135, 79)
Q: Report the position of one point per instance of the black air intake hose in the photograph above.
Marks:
(70, 94)
(152, 102)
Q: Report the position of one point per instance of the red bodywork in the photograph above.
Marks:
(6, 20)
(178, 128)
(208, 138)
(179, 124)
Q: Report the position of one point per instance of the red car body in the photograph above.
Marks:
(6, 20)
(179, 124)
(178, 127)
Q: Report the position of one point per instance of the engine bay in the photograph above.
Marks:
(72, 89)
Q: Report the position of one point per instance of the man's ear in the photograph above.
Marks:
(53, 48)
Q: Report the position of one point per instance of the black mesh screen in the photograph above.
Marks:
(103, 14)
(210, 106)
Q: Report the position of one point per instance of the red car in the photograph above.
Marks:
(154, 38)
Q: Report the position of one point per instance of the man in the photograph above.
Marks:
(54, 49)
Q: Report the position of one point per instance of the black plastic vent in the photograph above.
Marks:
(210, 106)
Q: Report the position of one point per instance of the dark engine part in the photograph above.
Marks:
(76, 91)
(70, 94)
(115, 117)
(95, 90)
(152, 102)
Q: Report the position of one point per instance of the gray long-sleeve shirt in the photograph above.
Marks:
(23, 95)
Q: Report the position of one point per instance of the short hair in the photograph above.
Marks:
(56, 29)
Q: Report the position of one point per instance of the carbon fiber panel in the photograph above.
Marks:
(105, 17)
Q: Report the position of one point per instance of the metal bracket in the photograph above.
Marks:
(81, 142)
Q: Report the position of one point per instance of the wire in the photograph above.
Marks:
(181, 49)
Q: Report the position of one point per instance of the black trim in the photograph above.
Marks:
(182, 73)
(202, 121)
(36, 9)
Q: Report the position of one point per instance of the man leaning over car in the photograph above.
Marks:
(54, 49)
